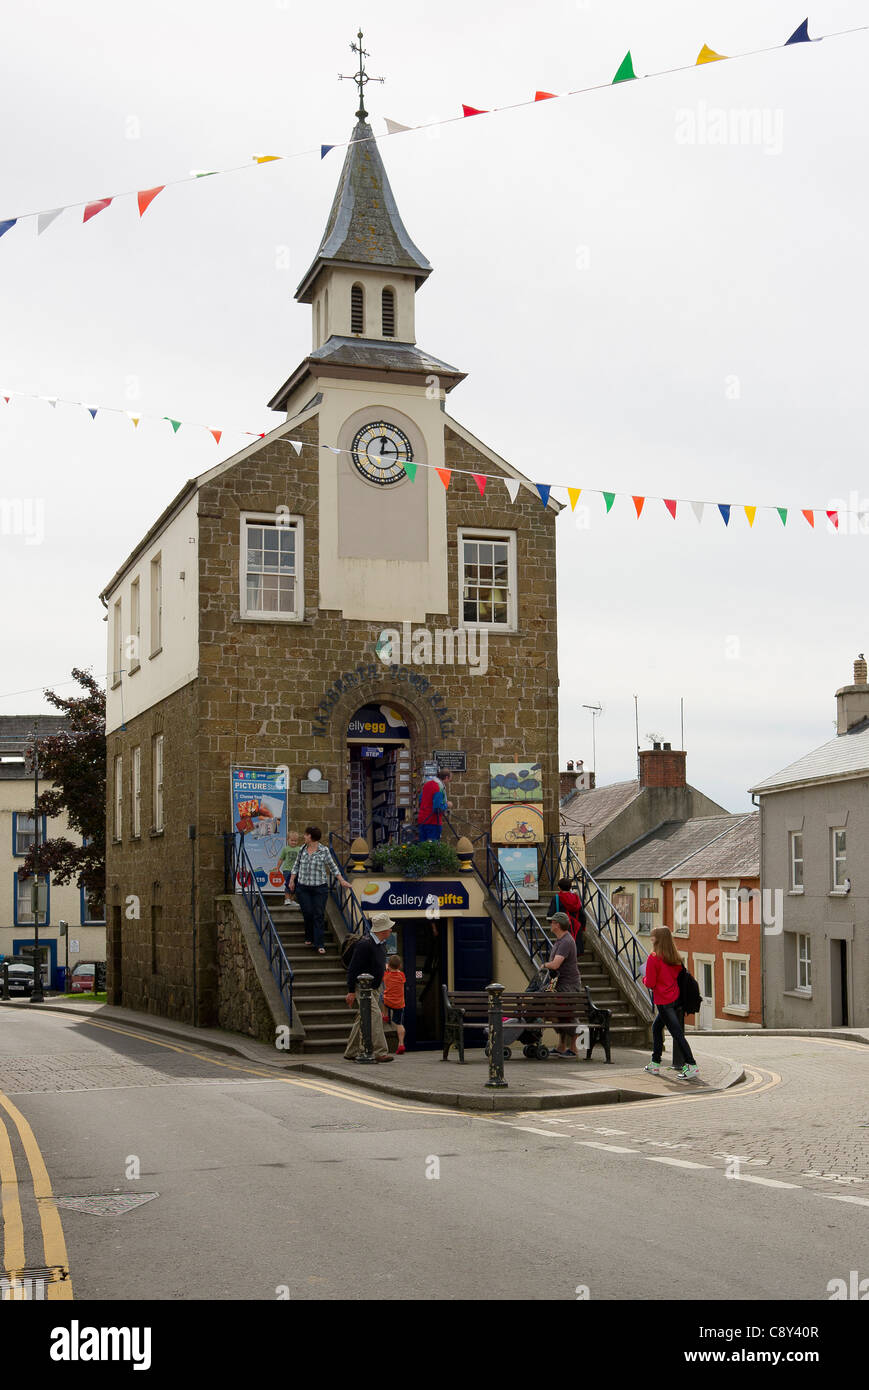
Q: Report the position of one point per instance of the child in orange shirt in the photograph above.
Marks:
(394, 981)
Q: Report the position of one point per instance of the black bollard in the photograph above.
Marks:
(5, 968)
(363, 998)
(496, 1037)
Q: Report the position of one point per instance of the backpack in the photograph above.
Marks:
(690, 997)
(348, 946)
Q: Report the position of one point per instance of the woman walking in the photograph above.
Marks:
(310, 882)
(663, 968)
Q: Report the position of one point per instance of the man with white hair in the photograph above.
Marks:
(369, 958)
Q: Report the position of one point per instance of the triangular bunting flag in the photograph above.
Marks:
(444, 474)
(202, 173)
(670, 504)
(473, 110)
(626, 71)
(297, 445)
(7, 225)
(395, 127)
(751, 513)
(783, 513)
(410, 470)
(217, 434)
(176, 424)
(708, 55)
(833, 517)
(724, 508)
(331, 448)
(480, 480)
(45, 219)
(544, 490)
(135, 419)
(800, 35)
(7, 399)
(512, 485)
(544, 96)
(609, 498)
(52, 401)
(146, 197)
(697, 508)
(265, 158)
(639, 503)
(91, 410)
(324, 150)
(93, 208)
(573, 494)
(810, 517)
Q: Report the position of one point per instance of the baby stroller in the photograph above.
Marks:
(519, 1031)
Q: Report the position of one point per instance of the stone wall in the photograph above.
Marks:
(241, 1003)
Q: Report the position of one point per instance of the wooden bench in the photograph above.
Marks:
(470, 1009)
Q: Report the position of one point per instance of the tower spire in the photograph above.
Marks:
(361, 77)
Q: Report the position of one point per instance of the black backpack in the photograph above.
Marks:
(348, 946)
(690, 997)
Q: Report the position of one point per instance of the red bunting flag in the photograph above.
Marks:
(93, 208)
(480, 480)
(810, 517)
(670, 504)
(217, 434)
(544, 96)
(445, 474)
(473, 110)
(639, 503)
(834, 518)
(146, 197)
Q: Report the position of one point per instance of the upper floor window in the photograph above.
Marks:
(119, 797)
(388, 302)
(92, 910)
(26, 889)
(117, 643)
(840, 878)
(156, 604)
(271, 567)
(796, 861)
(357, 309)
(22, 833)
(135, 625)
(157, 780)
(137, 792)
(681, 910)
(728, 914)
(487, 579)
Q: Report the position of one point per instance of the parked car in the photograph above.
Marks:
(82, 977)
(20, 976)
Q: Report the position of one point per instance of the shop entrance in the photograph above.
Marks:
(423, 956)
(378, 775)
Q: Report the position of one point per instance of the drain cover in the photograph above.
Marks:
(112, 1205)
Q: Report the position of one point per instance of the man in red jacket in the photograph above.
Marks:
(432, 805)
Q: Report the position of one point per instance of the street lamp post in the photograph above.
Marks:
(37, 995)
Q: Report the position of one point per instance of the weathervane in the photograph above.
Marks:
(360, 77)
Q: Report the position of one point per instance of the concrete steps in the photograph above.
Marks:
(319, 982)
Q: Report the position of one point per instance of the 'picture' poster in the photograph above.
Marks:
(517, 825)
(259, 812)
(516, 781)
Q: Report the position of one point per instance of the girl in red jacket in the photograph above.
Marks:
(662, 978)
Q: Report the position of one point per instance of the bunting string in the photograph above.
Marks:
(91, 208)
(544, 491)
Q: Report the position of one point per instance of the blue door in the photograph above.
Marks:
(472, 962)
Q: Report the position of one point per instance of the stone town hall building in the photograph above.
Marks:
(244, 626)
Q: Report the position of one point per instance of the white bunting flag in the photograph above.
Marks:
(52, 401)
(512, 485)
(45, 219)
(395, 127)
(697, 509)
(297, 445)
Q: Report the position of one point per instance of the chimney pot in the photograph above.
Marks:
(666, 747)
(860, 671)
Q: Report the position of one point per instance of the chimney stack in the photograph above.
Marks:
(852, 701)
(664, 766)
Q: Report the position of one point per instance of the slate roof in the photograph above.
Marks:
(16, 735)
(382, 356)
(364, 226)
(846, 755)
(671, 846)
(587, 812)
(736, 854)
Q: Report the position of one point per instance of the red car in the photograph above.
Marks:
(81, 981)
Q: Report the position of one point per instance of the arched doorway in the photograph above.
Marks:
(379, 773)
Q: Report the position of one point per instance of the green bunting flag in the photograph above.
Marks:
(410, 469)
(783, 513)
(176, 424)
(626, 71)
(609, 498)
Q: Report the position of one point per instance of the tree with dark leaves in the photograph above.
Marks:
(75, 763)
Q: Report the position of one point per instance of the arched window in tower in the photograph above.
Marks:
(357, 309)
(388, 309)
(325, 314)
(317, 339)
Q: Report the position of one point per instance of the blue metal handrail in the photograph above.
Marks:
(618, 942)
(238, 873)
(525, 925)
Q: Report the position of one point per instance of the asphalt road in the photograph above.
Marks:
(284, 1186)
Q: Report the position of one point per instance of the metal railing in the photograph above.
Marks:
(238, 875)
(528, 931)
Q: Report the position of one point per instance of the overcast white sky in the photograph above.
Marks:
(602, 282)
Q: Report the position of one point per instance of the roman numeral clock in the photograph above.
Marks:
(379, 452)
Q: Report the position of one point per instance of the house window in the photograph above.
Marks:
(119, 796)
(796, 858)
(117, 644)
(837, 838)
(135, 625)
(357, 309)
(388, 304)
(93, 910)
(735, 982)
(137, 792)
(728, 913)
(156, 604)
(681, 910)
(646, 919)
(804, 963)
(24, 900)
(487, 579)
(157, 770)
(271, 568)
(22, 833)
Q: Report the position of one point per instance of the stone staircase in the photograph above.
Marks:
(319, 982)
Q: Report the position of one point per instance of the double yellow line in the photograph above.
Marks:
(56, 1261)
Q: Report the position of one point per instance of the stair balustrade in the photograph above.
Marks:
(238, 873)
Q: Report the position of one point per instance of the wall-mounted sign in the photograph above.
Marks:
(624, 906)
(73, 946)
(649, 904)
(259, 813)
(430, 769)
(402, 895)
(378, 721)
(451, 762)
(368, 750)
(517, 825)
(522, 781)
(520, 866)
(309, 788)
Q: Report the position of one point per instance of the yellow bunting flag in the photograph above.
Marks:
(135, 419)
(751, 513)
(265, 158)
(708, 55)
(573, 494)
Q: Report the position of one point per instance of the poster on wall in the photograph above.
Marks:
(520, 866)
(517, 825)
(522, 781)
(259, 812)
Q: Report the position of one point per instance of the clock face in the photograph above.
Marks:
(380, 451)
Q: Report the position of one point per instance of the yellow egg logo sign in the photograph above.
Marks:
(371, 890)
